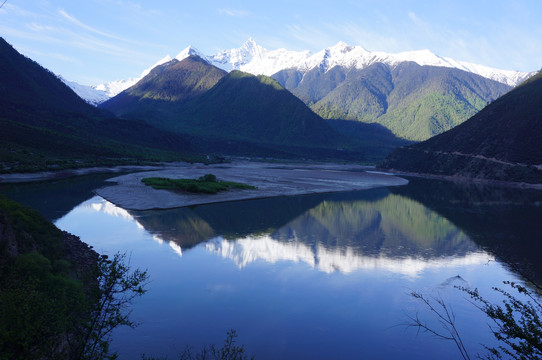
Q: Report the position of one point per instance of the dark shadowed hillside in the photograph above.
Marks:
(503, 142)
(45, 125)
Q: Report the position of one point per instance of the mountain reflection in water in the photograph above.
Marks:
(345, 260)
(333, 232)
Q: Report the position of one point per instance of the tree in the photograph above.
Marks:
(516, 322)
(115, 289)
(229, 351)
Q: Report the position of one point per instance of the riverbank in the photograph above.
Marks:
(462, 179)
(62, 174)
(270, 179)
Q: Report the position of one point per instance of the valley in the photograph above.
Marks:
(299, 199)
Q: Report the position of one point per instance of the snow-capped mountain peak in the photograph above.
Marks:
(188, 51)
(255, 59)
(341, 47)
(235, 59)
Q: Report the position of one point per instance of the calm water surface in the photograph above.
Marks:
(316, 276)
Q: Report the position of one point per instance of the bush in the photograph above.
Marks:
(208, 178)
(207, 184)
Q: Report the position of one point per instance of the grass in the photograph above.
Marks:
(207, 184)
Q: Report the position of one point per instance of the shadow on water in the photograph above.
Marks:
(54, 199)
(504, 221)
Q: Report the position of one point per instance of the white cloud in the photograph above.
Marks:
(235, 13)
(355, 34)
(82, 25)
(413, 17)
(51, 55)
(14, 10)
(312, 36)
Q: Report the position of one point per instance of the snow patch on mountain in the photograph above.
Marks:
(189, 51)
(97, 94)
(116, 87)
(88, 93)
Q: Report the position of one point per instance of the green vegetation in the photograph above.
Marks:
(238, 106)
(207, 184)
(414, 102)
(115, 288)
(234, 113)
(173, 82)
(516, 322)
(59, 299)
(501, 142)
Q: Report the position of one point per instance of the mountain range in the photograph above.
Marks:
(501, 142)
(236, 111)
(350, 83)
(257, 60)
(189, 106)
(46, 126)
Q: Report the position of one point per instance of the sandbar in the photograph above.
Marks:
(269, 178)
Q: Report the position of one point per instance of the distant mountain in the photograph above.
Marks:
(90, 94)
(502, 142)
(236, 112)
(45, 125)
(257, 60)
(414, 102)
(97, 94)
(253, 58)
(350, 83)
(164, 88)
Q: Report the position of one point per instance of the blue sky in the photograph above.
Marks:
(93, 41)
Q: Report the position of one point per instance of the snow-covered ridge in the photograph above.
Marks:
(97, 94)
(90, 94)
(257, 60)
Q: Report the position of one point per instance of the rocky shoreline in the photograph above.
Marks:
(80, 254)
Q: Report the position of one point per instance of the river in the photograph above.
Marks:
(322, 276)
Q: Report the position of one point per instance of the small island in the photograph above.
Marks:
(207, 184)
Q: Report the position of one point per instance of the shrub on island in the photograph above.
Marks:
(207, 184)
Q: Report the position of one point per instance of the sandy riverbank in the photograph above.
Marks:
(270, 179)
(62, 174)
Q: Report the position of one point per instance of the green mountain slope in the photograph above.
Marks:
(168, 85)
(45, 125)
(235, 113)
(414, 102)
(243, 106)
(503, 142)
